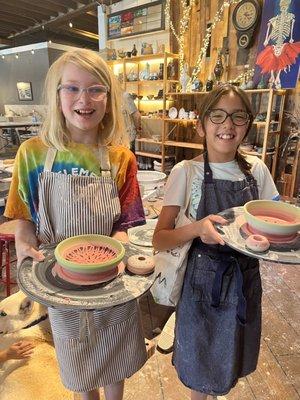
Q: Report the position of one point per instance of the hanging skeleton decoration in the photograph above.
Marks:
(280, 50)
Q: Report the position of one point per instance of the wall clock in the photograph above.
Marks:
(245, 18)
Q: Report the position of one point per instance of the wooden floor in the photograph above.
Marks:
(278, 374)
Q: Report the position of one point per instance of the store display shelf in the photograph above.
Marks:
(181, 120)
(147, 57)
(147, 140)
(187, 145)
(185, 93)
(255, 153)
(153, 155)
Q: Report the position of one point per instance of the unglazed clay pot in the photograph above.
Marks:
(89, 254)
(275, 218)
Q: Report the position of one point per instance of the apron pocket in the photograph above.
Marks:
(202, 287)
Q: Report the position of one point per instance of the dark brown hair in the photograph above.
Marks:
(212, 99)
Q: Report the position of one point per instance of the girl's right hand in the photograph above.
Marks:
(206, 230)
(24, 250)
(20, 350)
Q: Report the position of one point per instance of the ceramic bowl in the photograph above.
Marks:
(272, 217)
(150, 180)
(84, 253)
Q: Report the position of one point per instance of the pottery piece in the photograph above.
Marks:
(161, 71)
(209, 84)
(274, 218)
(121, 53)
(262, 84)
(173, 112)
(142, 235)
(219, 69)
(171, 72)
(182, 113)
(147, 48)
(145, 74)
(89, 254)
(150, 180)
(257, 243)
(184, 78)
(140, 264)
(134, 51)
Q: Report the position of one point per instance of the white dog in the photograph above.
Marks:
(38, 376)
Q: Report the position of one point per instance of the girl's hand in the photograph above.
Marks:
(27, 242)
(206, 230)
(24, 250)
(19, 350)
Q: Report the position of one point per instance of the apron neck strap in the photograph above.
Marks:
(104, 162)
(208, 175)
(50, 157)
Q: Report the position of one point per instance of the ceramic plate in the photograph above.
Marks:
(173, 112)
(234, 236)
(38, 281)
(142, 235)
(181, 113)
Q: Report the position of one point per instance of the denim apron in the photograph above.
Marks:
(218, 318)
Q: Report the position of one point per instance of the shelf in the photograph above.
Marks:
(263, 123)
(255, 153)
(147, 57)
(152, 100)
(146, 140)
(185, 94)
(179, 120)
(150, 81)
(279, 92)
(152, 118)
(152, 155)
(183, 144)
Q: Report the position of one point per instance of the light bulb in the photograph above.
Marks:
(70, 24)
(32, 52)
(17, 55)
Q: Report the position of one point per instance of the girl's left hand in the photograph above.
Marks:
(208, 232)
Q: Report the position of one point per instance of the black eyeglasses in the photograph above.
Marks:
(238, 118)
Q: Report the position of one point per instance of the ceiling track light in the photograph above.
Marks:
(17, 55)
(32, 52)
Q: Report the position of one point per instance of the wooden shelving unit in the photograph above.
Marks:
(177, 133)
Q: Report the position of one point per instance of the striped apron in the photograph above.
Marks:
(100, 347)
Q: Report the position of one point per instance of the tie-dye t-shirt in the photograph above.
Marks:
(81, 160)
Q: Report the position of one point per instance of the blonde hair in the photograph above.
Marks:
(212, 99)
(54, 132)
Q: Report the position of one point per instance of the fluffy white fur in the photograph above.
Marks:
(38, 377)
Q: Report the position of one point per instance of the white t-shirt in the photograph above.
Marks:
(176, 184)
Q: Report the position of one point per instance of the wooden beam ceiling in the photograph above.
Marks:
(28, 21)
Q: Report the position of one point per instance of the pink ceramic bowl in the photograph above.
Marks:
(272, 217)
(89, 253)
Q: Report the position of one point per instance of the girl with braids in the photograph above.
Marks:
(218, 317)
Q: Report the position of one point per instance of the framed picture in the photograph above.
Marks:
(137, 20)
(24, 91)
